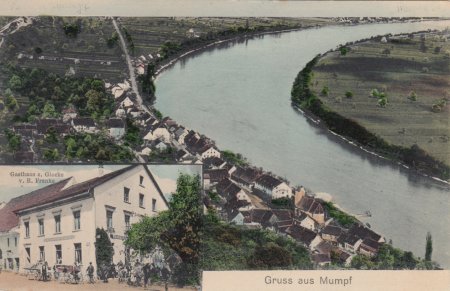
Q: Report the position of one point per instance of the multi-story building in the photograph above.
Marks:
(58, 223)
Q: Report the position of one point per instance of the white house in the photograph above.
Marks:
(307, 221)
(69, 113)
(84, 124)
(237, 218)
(58, 223)
(127, 102)
(273, 187)
(209, 152)
(116, 128)
(180, 134)
(158, 132)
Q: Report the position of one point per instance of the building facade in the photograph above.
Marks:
(62, 228)
(9, 255)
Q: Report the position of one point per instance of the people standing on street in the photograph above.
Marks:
(90, 272)
(44, 271)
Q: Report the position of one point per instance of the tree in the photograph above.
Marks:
(14, 140)
(104, 250)
(409, 261)
(94, 100)
(349, 94)
(49, 110)
(51, 136)
(51, 154)
(428, 247)
(15, 82)
(175, 229)
(382, 100)
(344, 50)
(325, 91)
(71, 29)
(11, 103)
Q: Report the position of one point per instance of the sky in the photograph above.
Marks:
(224, 8)
(12, 186)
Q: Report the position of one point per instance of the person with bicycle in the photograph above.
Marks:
(75, 272)
(90, 272)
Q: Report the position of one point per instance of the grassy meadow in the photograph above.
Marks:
(411, 77)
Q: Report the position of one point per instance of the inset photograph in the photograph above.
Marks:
(133, 225)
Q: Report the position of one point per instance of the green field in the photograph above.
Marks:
(413, 73)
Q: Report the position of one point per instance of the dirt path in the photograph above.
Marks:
(134, 86)
(14, 282)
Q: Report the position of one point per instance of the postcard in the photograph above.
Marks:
(224, 145)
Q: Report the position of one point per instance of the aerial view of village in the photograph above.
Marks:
(141, 151)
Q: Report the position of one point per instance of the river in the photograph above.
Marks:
(238, 94)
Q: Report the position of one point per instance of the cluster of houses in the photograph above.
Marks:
(31, 133)
(57, 223)
(244, 196)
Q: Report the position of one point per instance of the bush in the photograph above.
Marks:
(343, 218)
(412, 96)
(343, 50)
(71, 29)
(349, 94)
(270, 256)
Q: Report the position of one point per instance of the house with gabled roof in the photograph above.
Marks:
(359, 230)
(116, 127)
(43, 126)
(306, 221)
(180, 134)
(304, 236)
(214, 163)
(309, 205)
(228, 190)
(212, 177)
(69, 113)
(331, 233)
(244, 176)
(321, 260)
(58, 222)
(234, 204)
(181, 155)
(281, 218)
(274, 188)
(157, 131)
(349, 242)
(84, 124)
(369, 247)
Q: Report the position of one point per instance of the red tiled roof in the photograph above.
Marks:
(8, 218)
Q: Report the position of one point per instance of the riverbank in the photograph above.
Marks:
(237, 35)
(350, 123)
(162, 65)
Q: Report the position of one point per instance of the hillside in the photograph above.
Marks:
(397, 87)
